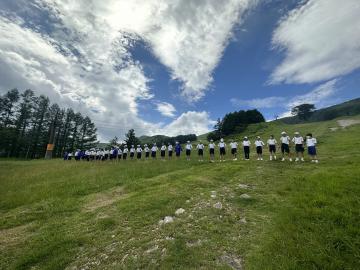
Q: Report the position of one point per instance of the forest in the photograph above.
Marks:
(27, 122)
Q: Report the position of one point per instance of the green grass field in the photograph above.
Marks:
(56, 214)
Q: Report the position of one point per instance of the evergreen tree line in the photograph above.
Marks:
(26, 122)
(235, 122)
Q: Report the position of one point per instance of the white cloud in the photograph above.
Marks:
(320, 40)
(268, 102)
(166, 109)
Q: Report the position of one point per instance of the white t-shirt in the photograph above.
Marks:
(132, 150)
(233, 145)
(170, 147)
(126, 150)
(146, 149)
(246, 143)
(154, 149)
(77, 153)
(311, 142)
(271, 142)
(298, 140)
(119, 151)
(163, 148)
(111, 151)
(211, 145)
(259, 143)
(285, 139)
(70, 155)
(200, 146)
(139, 150)
(188, 146)
(87, 153)
(93, 153)
(222, 144)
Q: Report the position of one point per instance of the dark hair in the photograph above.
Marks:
(309, 134)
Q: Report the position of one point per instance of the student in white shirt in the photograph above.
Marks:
(98, 155)
(112, 153)
(299, 146)
(163, 151)
(311, 144)
(285, 146)
(125, 152)
(170, 150)
(259, 147)
(153, 151)
(138, 151)
(212, 151)
(200, 147)
(119, 154)
(132, 152)
(106, 154)
(246, 144)
(233, 146)
(70, 156)
(222, 146)
(272, 147)
(87, 155)
(147, 151)
(188, 148)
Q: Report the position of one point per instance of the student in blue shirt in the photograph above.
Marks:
(178, 149)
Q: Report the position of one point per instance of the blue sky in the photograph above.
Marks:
(174, 66)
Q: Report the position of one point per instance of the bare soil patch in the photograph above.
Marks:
(103, 199)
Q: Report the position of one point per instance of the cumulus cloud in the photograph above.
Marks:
(166, 109)
(79, 53)
(318, 96)
(320, 40)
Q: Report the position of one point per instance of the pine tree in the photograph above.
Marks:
(131, 139)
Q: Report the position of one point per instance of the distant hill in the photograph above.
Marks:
(348, 108)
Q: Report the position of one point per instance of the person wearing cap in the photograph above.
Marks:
(112, 153)
(188, 148)
(154, 149)
(212, 151)
(285, 146)
(132, 152)
(299, 146)
(106, 154)
(259, 147)
(163, 151)
(222, 146)
(170, 150)
(178, 149)
(272, 147)
(125, 152)
(147, 151)
(200, 147)
(311, 144)
(246, 146)
(234, 146)
(138, 152)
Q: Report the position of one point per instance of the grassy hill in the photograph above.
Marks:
(56, 215)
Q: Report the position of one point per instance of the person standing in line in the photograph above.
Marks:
(234, 146)
(112, 153)
(132, 152)
(147, 151)
(188, 148)
(178, 150)
(125, 152)
(212, 151)
(138, 152)
(162, 151)
(200, 147)
(98, 154)
(246, 145)
(106, 154)
(77, 155)
(170, 151)
(259, 147)
(285, 146)
(153, 151)
(87, 155)
(311, 143)
(119, 154)
(299, 147)
(222, 146)
(272, 147)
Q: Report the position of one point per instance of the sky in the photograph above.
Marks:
(175, 66)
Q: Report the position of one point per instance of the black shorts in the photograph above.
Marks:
(162, 153)
(106, 156)
(178, 154)
(299, 148)
(285, 148)
(259, 150)
(170, 153)
(272, 148)
(233, 151)
(147, 154)
(119, 156)
(222, 151)
(138, 155)
(124, 155)
(212, 151)
(153, 154)
(132, 154)
(188, 152)
(200, 152)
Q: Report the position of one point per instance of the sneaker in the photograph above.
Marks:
(302, 159)
(271, 158)
(316, 161)
(296, 159)
(290, 159)
(258, 158)
(312, 160)
(275, 157)
(283, 159)
(261, 159)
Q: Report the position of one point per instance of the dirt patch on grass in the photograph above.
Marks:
(13, 236)
(348, 122)
(103, 199)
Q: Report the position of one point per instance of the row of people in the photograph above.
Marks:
(138, 152)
